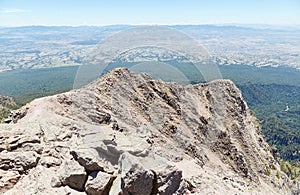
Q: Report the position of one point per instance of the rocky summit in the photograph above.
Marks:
(128, 134)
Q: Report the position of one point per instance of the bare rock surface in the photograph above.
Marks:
(91, 161)
(126, 133)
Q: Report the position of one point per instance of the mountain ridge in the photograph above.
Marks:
(128, 133)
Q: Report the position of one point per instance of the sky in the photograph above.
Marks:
(105, 12)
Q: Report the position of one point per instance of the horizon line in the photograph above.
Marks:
(152, 24)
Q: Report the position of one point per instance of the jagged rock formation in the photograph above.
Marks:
(128, 134)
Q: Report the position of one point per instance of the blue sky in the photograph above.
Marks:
(98, 12)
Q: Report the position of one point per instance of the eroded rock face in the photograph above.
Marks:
(126, 133)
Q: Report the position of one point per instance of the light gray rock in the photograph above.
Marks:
(8, 179)
(32, 147)
(296, 186)
(55, 182)
(72, 174)
(49, 161)
(136, 179)
(116, 187)
(91, 161)
(99, 183)
(18, 161)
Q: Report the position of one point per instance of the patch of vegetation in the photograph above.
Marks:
(3, 114)
(281, 126)
(6, 105)
(25, 85)
(292, 171)
(267, 170)
(277, 175)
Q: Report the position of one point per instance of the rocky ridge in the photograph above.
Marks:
(126, 133)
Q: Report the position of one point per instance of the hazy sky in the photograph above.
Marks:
(98, 12)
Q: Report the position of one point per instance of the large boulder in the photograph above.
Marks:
(91, 161)
(136, 179)
(72, 174)
(168, 181)
(98, 183)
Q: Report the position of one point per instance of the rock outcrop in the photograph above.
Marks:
(126, 133)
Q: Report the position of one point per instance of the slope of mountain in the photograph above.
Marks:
(128, 133)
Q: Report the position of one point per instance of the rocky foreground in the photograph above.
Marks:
(128, 134)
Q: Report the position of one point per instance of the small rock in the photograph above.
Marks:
(8, 179)
(8, 120)
(55, 182)
(49, 161)
(32, 147)
(116, 187)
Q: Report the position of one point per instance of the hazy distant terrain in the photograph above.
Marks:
(39, 46)
(249, 46)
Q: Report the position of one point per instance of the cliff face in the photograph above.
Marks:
(127, 133)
